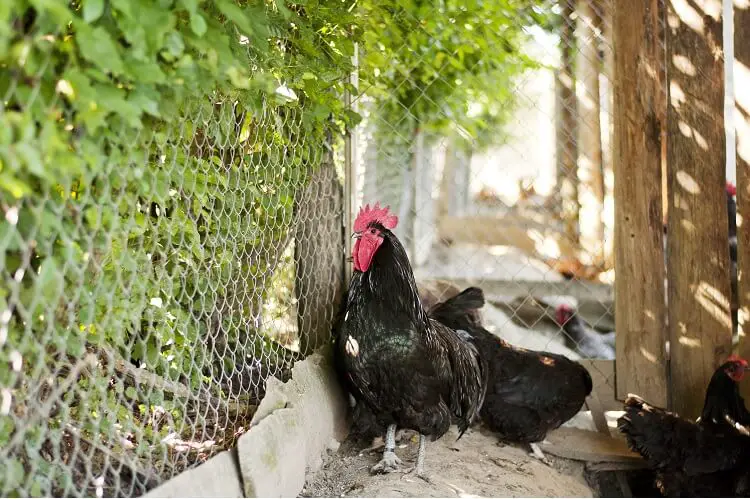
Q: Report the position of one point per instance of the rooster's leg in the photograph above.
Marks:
(419, 468)
(390, 461)
(537, 453)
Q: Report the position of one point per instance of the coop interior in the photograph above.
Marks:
(520, 205)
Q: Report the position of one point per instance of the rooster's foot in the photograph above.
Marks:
(419, 474)
(388, 464)
(537, 453)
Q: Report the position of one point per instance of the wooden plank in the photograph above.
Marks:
(616, 466)
(597, 413)
(495, 289)
(698, 257)
(742, 128)
(639, 253)
(493, 224)
(588, 65)
(567, 129)
(319, 264)
(583, 445)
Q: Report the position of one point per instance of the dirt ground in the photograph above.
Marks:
(474, 466)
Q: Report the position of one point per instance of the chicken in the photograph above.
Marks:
(410, 371)
(529, 393)
(707, 458)
(724, 404)
(583, 339)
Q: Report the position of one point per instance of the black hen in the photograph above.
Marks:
(409, 370)
(723, 404)
(529, 393)
(708, 458)
(583, 339)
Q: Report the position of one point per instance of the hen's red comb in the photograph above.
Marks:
(377, 214)
(731, 189)
(737, 358)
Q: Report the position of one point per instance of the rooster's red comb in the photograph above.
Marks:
(737, 358)
(731, 189)
(377, 214)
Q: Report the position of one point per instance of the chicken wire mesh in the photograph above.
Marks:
(491, 138)
(143, 306)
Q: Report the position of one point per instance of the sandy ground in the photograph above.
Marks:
(474, 466)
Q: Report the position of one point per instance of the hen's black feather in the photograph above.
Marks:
(723, 404)
(408, 369)
(528, 393)
(690, 459)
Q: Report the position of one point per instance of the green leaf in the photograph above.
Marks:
(236, 15)
(190, 5)
(283, 10)
(198, 24)
(49, 281)
(14, 473)
(75, 345)
(92, 10)
(16, 187)
(175, 44)
(97, 47)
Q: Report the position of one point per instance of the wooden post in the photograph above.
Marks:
(639, 252)
(700, 331)
(566, 133)
(742, 129)
(319, 245)
(589, 65)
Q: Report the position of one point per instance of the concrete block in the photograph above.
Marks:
(217, 477)
(273, 456)
(296, 423)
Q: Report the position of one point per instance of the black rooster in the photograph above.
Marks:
(409, 370)
(583, 339)
(529, 393)
(707, 458)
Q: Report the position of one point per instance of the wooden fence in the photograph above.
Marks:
(669, 92)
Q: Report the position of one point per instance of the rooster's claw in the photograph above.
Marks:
(388, 464)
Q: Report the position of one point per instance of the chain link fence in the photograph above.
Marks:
(493, 145)
(155, 272)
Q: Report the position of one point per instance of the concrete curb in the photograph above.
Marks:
(296, 423)
(217, 477)
(294, 426)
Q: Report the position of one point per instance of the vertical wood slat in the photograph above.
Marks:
(567, 132)
(697, 251)
(742, 124)
(639, 251)
(588, 67)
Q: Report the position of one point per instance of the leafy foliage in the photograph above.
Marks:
(445, 67)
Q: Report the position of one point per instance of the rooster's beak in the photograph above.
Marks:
(356, 235)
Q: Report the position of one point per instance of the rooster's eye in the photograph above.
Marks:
(373, 231)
